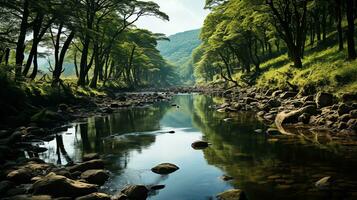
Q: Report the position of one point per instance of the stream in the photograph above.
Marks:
(133, 141)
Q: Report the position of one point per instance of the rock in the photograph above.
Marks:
(95, 176)
(272, 131)
(259, 131)
(249, 100)
(291, 117)
(348, 97)
(95, 196)
(92, 164)
(353, 113)
(20, 176)
(157, 187)
(63, 107)
(304, 118)
(46, 117)
(90, 156)
(352, 124)
(324, 183)
(171, 132)
(343, 109)
(345, 118)
(136, 192)
(286, 95)
(5, 186)
(233, 194)
(114, 105)
(60, 186)
(342, 125)
(274, 103)
(15, 137)
(120, 196)
(165, 168)
(277, 93)
(30, 197)
(323, 99)
(199, 145)
(226, 178)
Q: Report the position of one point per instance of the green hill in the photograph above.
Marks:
(178, 52)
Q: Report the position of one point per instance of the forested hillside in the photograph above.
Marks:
(178, 52)
(306, 45)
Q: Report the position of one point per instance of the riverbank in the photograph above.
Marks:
(278, 108)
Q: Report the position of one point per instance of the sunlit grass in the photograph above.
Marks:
(325, 69)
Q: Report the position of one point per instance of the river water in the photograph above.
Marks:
(133, 141)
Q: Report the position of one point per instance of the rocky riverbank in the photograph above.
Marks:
(286, 109)
(27, 177)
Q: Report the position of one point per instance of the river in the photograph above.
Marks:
(133, 141)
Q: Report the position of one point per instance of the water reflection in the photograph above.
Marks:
(133, 141)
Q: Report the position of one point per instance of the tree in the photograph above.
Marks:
(290, 23)
(351, 30)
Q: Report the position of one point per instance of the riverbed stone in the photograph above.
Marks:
(165, 168)
(95, 196)
(199, 145)
(233, 194)
(343, 109)
(324, 99)
(286, 95)
(324, 183)
(136, 192)
(92, 164)
(5, 186)
(60, 186)
(95, 176)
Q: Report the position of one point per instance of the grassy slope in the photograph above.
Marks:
(324, 67)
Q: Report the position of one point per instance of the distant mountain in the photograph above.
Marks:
(178, 52)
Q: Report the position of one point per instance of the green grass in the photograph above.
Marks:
(324, 69)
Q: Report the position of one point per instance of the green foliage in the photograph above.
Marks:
(178, 52)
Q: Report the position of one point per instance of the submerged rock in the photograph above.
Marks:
(135, 192)
(157, 187)
(165, 168)
(60, 186)
(199, 145)
(233, 194)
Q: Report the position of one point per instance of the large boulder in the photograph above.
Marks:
(95, 196)
(324, 99)
(95, 176)
(135, 192)
(165, 168)
(60, 186)
(92, 164)
(233, 194)
(291, 117)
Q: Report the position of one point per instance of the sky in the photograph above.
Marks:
(184, 15)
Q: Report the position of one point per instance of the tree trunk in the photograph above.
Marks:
(35, 67)
(339, 24)
(20, 48)
(350, 33)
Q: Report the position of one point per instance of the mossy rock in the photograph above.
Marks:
(46, 116)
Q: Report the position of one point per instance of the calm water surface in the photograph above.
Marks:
(133, 141)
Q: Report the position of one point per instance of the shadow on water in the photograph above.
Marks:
(133, 141)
